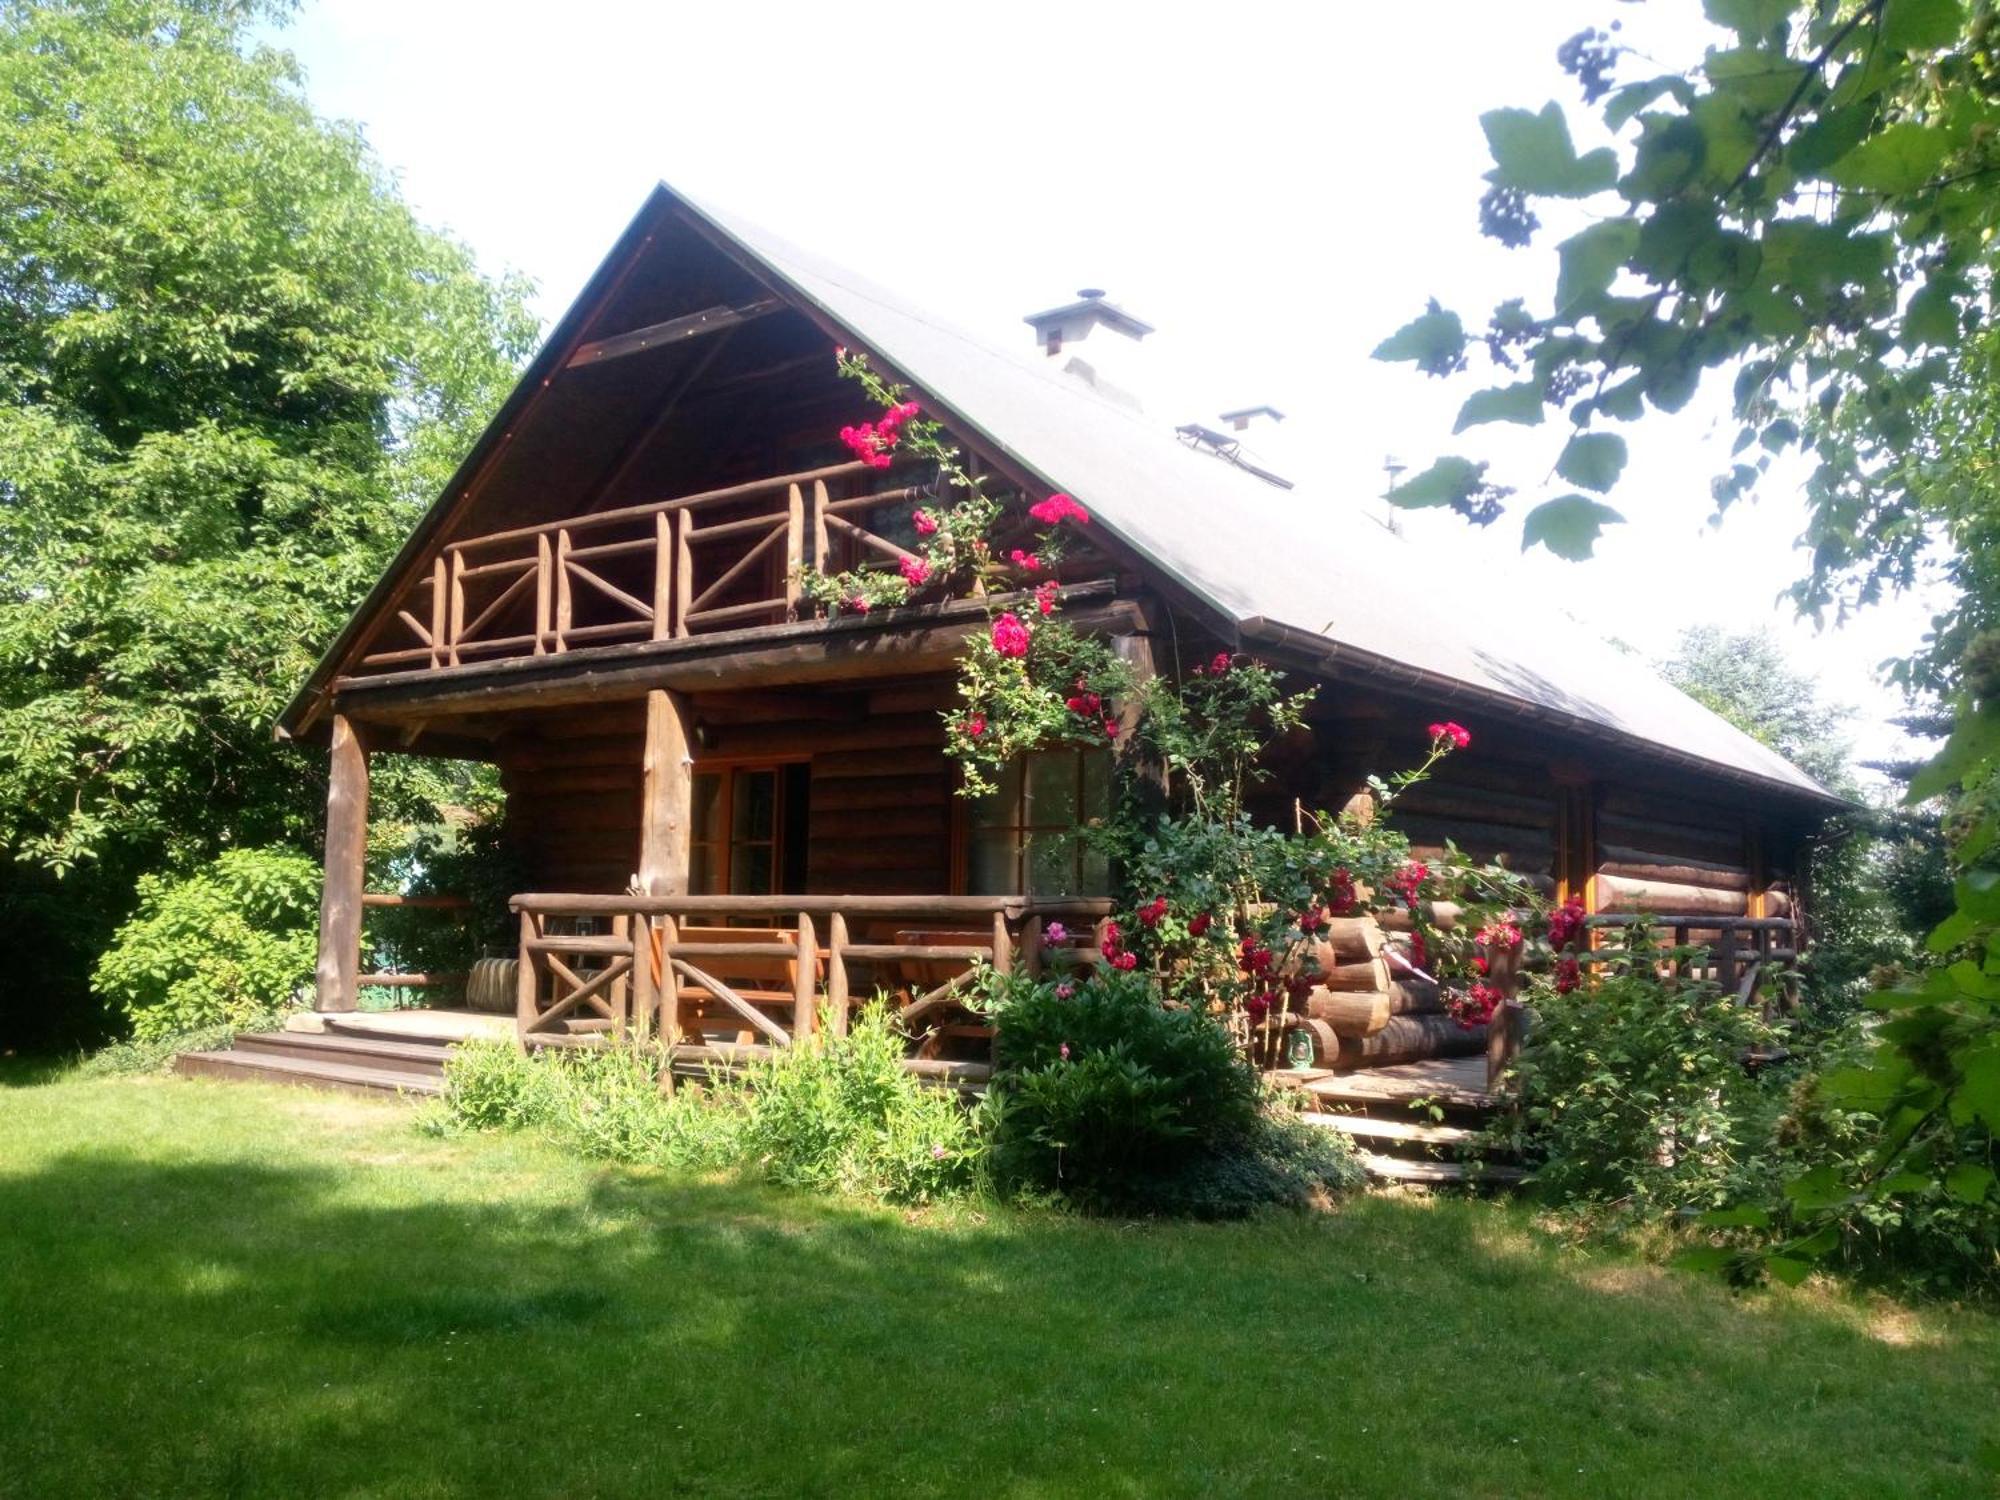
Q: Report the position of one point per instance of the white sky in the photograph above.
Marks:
(1275, 187)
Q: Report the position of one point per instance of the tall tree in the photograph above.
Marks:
(232, 368)
(1809, 213)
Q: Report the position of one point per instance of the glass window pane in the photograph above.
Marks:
(705, 818)
(1052, 790)
(1001, 807)
(1052, 864)
(755, 813)
(991, 865)
(1096, 784)
(1096, 877)
(701, 871)
(750, 870)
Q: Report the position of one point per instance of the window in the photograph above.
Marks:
(1022, 839)
(740, 840)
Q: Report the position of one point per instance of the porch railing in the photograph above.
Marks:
(713, 973)
(671, 568)
(1736, 953)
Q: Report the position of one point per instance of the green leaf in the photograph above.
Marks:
(1977, 1096)
(1754, 20)
(1835, 133)
(1969, 1182)
(1706, 1260)
(1784, 1268)
(1743, 1216)
(1435, 340)
(1900, 159)
(1589, 261)
(1568, 527)
(1822, 1187)
(1921, 25)
(1443, 483)
(1521, 404)
(1532, 152)
(1593, 460)
(1932, 316)
(1633, 97)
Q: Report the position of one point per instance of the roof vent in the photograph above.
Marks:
(1250, 416)
(1073, 322)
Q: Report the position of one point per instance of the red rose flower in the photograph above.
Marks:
(1221, 665)
(1566, 924)
(1199, 925)
(1569, 974)
(1125, 961)
(1459, 736)
(1010, 636)
(1149, 915)
(1340, 895)
(1057, 509)
(975, 726)
(915, 570)
(925, 522)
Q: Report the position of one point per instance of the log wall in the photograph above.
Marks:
(574, 798)
(1671, 855)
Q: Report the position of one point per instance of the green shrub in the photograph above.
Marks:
(230, 945)
(836, 1114)
(1283, 1162)
(152, 1054)
(1633, 1092)
(1105, 1096)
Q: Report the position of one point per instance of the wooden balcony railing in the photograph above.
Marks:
(710, 975)
(1738, 954)
(687, 566)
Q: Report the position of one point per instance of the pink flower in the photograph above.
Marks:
(975, 726)
(1108, 944)
(1063, 1051)
(1010, 636)
(1459, 736)
(937, 1153)
(1221, 665)
(1025, 560)
(1065, 990)
(916, 571)
(1057, 509)
(1500, 933)
(1110, 729)
(1126, 961)
(1475, 1006)
(1045, 597)
(1569, 974)
(859, 604)
(1055, 932)
(1409, 880)
(1566, 924)
(925, 522)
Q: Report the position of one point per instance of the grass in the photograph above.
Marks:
(224, 1289)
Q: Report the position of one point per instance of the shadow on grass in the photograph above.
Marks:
(235, 1328)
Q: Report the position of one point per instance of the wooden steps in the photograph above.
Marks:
(1416, 1123)
(325, 1060)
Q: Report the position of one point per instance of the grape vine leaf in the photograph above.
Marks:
(1568, 526)
(1593, 460)
(1532, 153)
(1588, 261)
(1899, 159)
(1435, 340)
(1445, 482)
(1921, 25)
(1520, 404)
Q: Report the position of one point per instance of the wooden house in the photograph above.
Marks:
(727, 803)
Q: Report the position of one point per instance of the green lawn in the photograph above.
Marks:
(220, 1289)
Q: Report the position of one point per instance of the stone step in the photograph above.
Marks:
(419, 1058)
(318, 1073)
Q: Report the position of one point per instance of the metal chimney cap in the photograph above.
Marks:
(1090, 293)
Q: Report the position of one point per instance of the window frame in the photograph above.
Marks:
(965, 833)
(730, 768)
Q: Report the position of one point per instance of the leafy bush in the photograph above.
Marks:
(230, 945)
(122, 1059)
(1633, 1091)
(1108, 1098)
(1283, 1162)
(834, 1113)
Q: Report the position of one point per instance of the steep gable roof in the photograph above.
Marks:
(1281, 565)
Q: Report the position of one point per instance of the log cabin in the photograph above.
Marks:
(728, 804)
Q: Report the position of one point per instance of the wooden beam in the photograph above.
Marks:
(336, 986)
(673, 331)
(667, 809)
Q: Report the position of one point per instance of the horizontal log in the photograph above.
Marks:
(850, 795)
(1411, 1039)
(1371, 974)
(1525, 843)
(1349, 940)
(427, 903)
(858, 854)
(1443, 915)
(885, 882)
(918, 952)
(1655, 871)
(922, 821)
(1651, 896)
(607, 946)
(901, 761)
(1350, 1012)
(409, 981)
(1676, 841)
(1499, 809)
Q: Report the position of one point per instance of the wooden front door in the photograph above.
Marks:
(748, 829)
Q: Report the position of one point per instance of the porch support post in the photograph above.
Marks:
(664, 816)
(669, 796)
(346, 870)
